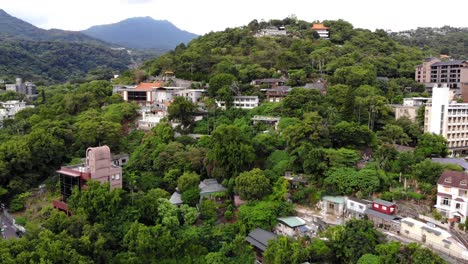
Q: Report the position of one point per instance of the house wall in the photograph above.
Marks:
(283, 229)
(433, 241)
(450, 210)
(384, 209)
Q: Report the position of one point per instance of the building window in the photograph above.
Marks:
(112, 177)
(457, 206)
(361, 207)
(117, 176)
(384, 207)
(351, 203)
(446, 201)
(406, 232)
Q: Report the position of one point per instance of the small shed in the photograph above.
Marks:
(333, 205)
(383, 206)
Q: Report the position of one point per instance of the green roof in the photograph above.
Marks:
(292, 221)
(335, 199)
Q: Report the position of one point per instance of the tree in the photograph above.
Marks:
(369, 259)
(427, 171)
(219, 81)
(284, 250)
(430, 145)
(354, 239)
(351, 134)
(252, 185)
(182, 110)
(228, 141)
(394, 134)
(188, 181)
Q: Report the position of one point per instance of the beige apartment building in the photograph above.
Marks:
(445, 117)
(453, 73)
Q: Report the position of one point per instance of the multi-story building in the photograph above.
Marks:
(322, 30)
(409, 108)
(99, 166)
(9, 109)
(447, 118)
(452, 73)
(27, 88)
(452, 195)
(423, 71)
(244, 102)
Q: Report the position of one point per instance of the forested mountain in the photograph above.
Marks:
(51, 56)
(434, 41)
(300, 54)
(15, 28)
(142, 33)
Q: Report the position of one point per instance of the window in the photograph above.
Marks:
(351, 203)
(406, 232)
(361, 207)
(449, 180)
(457, 206)
(112, 177)
(376, 205)
(384, 207)
(463, 183)
(446, 201)
(117, 176)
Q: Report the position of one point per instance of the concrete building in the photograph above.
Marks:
(409, 108)
(269, 120)
(27, 88)
(293, 226)
(452, 195)
(148, 121)
(423, 71)
(244, 102)
(452, 73)
(322, 30)
(356, 208)
(276, 94)
(98, 166)
(447, 118)
(334, 205)
(433, 237)
(269, 82)
(9, 109)
(272, 32)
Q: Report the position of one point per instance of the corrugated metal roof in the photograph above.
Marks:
(292, 221)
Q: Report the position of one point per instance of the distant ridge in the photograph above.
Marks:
(142, 33)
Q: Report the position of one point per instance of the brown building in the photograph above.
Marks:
(98, 166)
(423, 71)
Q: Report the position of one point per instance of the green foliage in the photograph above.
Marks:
(228, 141)
(346, 181)
(252, 185)
(430, 145)
(284, 250)
(188, 181)
(354, 239)
(18, 202)
(182, 110)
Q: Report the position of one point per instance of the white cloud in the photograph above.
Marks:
(202, 16)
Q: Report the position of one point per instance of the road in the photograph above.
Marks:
(9, 229)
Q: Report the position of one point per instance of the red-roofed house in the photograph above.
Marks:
(452, 195)
(321, 30)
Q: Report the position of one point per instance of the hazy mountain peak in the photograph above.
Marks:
(142, 33)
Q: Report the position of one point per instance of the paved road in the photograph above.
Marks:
(9, 229)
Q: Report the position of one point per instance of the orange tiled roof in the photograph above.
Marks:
(318, 26)
(148, 86)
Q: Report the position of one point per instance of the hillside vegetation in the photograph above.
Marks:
(433, 41)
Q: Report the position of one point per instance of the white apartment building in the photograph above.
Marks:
(409, 108)
(9, 109)
(244, 102)
(452, 195)
(447, 118)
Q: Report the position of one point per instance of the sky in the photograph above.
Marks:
(203, 16)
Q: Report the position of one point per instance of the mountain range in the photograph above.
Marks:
(142, 33)
(54, 55)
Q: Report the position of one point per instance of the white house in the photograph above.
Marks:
(355, 208)
(293, 226)
(433, 237)
(9, 109)
(452, 195)
(244, 102)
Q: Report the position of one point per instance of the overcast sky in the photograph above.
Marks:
(203, 16)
